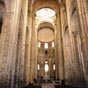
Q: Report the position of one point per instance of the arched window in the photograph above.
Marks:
(46, 66)
(53, 66)
(46, 45)
(39, 44)
(38, 66)
(53, 44)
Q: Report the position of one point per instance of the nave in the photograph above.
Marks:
(45, 40)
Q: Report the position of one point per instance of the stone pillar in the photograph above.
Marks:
(77, 62)
(73, 30)
(56, 58)
(27, 57)
(83, 16)
(69, 28)
(62, 20)
(51, 67)
(28, 45)
(8, 43)
(67, 58)
(66, 45)
(21, 43)
(34, 53)
(59, 51)
(76, 32)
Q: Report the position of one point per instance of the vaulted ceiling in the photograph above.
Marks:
(46, 34)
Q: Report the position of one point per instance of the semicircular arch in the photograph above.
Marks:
(46, 24)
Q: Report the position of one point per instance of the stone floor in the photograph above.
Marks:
(47, 86)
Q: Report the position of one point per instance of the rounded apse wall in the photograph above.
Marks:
(45, 35)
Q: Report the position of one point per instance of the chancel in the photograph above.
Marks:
(43, 43)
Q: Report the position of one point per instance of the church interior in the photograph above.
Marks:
(43, 43)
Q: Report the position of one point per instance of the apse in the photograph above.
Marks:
(45, 35)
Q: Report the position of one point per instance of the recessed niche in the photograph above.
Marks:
(46, 52)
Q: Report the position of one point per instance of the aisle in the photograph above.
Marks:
(47, 86)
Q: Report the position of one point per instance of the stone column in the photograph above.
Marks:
(55, 54)
(28, 45)
(62, 20)
(83, 16)
(34, 51)
(73, 28)
(27, 57)
(78, 79)
(51, 67)
(8, 43)
(66, 45)
(59, 51)
(21, 42)
(76, 32)
(69, 28)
